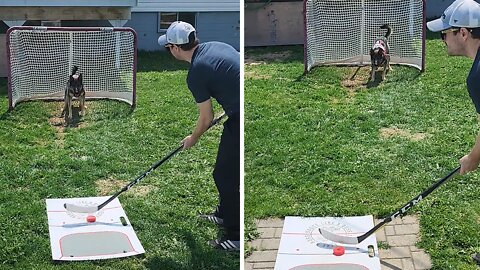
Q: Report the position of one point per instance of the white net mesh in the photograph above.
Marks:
(343, 31)
(41, 60)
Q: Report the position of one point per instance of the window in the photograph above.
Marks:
(167, 18)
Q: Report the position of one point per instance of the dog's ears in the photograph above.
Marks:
(80, 78)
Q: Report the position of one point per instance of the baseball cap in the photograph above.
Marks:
(461, 13)
(177, 33)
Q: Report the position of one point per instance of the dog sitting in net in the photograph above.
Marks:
(379, 54)
(73, 90)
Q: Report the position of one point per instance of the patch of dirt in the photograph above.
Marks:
(254, 75)
(403, 133)
(261, 59)
(355, 78)
(58, 122)
(251, 62)
(335, 101)
(109, 186)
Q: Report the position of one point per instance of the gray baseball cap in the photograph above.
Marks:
(461, 13)
(177, 33)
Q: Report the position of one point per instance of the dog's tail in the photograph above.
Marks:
(389, 30)
(74, 70)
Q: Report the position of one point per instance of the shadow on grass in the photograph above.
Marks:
(374, 83)
(4, 115)
(106, 109)
(358, 77)
(432, 35)
(274, 54)
(399, 73)
(406, 74)
(75, 120)
(202, 257)
(3, 93)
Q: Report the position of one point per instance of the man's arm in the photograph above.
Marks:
(470, 161)
(205, 117)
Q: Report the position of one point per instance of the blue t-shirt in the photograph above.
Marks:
(215, 72)
(473, 82)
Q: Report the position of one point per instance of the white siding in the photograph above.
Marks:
(186, 5)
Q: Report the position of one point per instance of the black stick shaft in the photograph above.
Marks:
(407, 206)
(154, 166)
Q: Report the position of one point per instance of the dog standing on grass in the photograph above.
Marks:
(74, 89)
(379, 54)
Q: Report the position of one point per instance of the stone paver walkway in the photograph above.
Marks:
(400, 235)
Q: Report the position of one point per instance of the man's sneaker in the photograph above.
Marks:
(227, 245)
(212, 218)
(476, 258)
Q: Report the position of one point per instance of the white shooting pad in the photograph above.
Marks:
(72, 238)
(302, 247)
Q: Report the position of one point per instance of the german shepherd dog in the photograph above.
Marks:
(379, 54)
(74, 89)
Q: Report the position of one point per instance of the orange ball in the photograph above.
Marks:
(338, 251)
(91, 219)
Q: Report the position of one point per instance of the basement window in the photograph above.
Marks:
(167, 18)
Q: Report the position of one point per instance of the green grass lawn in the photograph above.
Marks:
(328, 145)
(109, 147)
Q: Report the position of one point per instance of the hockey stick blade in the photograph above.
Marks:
(338, 238)
(94, 208)
(353, 240)
(70, 207)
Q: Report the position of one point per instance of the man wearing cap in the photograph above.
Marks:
(460, 31)
(214, 73)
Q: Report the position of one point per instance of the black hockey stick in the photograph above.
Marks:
(353, 240)
(91, 209)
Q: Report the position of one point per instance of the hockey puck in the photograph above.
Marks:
(91, 219)
(338, 251)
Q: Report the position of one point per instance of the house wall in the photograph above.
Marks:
(219, 26)
(146, 26)
(187, 5)
(211, 26)
(276, 23)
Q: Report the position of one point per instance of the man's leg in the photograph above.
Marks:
(227, 178)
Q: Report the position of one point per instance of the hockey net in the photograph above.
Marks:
(40, 60)
(342, 32)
